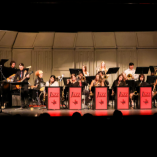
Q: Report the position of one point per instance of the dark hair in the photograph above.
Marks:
(80, 72)
(130, 64)
(143, 77)
(21, 64)
(100, 78)
(119, 76)
(72, 75)
(53, 77)
(12, 62)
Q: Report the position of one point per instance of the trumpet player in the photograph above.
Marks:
(103, 68)
(130, 73)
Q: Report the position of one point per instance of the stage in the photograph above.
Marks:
(37, 111)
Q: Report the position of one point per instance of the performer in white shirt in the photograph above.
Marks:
(52, 81)
(103, 69)
(130, 73)
(84, 69)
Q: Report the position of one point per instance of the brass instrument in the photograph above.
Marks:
(155, 71)
(83, 78)
(105, 76)
(129, 76)
(63, 98)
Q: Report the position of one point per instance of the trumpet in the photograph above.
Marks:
(105, 76)
(83, 78)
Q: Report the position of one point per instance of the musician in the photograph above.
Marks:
(96, 82)
(12, 64)
(154, 93)
(140, 82)
(83, 83)
(84, 69)
(131, 71)
(52, 81)
(73, 81)
(120, 81)
(106, 83)
(24, 88)
(103, 68)
(37, 84)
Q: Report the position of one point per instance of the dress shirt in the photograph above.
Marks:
(129, 71)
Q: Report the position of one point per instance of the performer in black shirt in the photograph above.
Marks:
(12, 64)
(72, 82)
(120, 81)
(106, 83)
(24, 89)
(139, 82)
(82, 83)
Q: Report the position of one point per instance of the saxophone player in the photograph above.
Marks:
(140, 82)
(130, 73)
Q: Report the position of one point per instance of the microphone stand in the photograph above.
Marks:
(1, 88)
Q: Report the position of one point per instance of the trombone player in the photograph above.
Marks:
(130, 73)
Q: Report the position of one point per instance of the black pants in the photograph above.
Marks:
(24, 98)
(86, 93)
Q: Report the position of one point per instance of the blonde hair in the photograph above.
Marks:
(37, 73)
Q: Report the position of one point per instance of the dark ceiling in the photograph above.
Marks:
(74, 16)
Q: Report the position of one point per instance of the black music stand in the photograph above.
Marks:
(89, 79)
(75, 71)
(142, 70)
(112, 70)
(65, 80)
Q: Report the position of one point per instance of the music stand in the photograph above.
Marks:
(75, 71)
(89, 79)
(112, 70)
(65, 80)
(142, 70)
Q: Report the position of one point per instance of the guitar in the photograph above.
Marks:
(18, 86)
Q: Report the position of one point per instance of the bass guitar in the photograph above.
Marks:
(18, 86)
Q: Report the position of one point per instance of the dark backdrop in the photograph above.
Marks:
(64, 16)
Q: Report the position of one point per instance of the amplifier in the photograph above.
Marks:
(16, 100)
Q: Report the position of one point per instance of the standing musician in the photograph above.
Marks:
(82, 83)
(103, 68)
(24, 89)
(84, 69)
(12, 64)
(130, 73)
(37, 84)
(140, 82)
(52, 81)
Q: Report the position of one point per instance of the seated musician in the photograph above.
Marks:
(120, 81)
(72, 82)
(84, 69)
(96, 82)
(154, 92)
(37, 84)
(24, 90)
(83, 84)
(106, 83)
(140, 82)
(103, 68)
(52, 81)
(130, 73)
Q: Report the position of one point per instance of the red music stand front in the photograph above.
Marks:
(146, 97)
(53, 98)
(101, 98)
(75, 97)
(122, 98)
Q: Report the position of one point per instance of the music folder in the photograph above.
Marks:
(142, 70)
(75, 71)
(112, 70)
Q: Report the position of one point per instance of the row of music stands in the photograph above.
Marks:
(122, 96)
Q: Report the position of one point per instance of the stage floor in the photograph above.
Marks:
(35, 112)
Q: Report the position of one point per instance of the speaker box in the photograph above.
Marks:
(16, 100)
